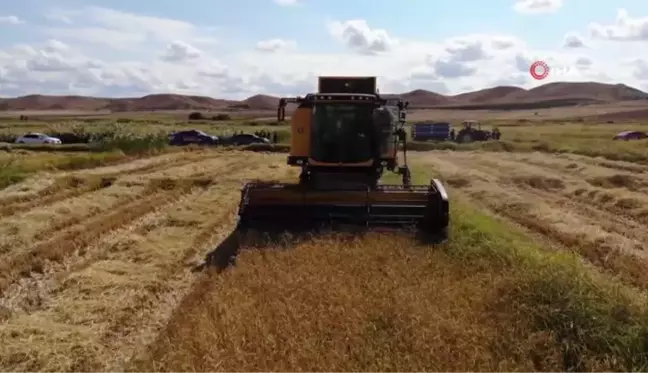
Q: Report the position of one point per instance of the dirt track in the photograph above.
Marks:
(596, 207)
(92, 263)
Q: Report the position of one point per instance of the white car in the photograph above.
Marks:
(37, 138)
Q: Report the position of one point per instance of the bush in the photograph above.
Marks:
(196, 116)
(7, 137)
(49, 147)
(221, 117)
(10, 174)
(272, 148)
(72, 137)
(132, 145)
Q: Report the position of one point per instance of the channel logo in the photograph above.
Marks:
(539, 70)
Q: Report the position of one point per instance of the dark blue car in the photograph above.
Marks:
(192, 137)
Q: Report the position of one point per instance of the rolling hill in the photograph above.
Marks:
(501, 97)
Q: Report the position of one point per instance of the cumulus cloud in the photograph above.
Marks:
(10, 20)
(466, 51)
(288, 2)
(178, 51)
(640, 69)
(573, 40)
(276, 45)
(537, 6)
(451, 69)
(358, 36)
(107, 52)
(584, 62)
(503, 43)
(54, 45)
(625, 28)
(122, 30)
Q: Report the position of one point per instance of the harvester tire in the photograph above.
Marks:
(434, 228)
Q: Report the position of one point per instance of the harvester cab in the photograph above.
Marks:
(344, 137)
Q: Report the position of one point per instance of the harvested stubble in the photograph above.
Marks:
(489, 300)
(493, 298)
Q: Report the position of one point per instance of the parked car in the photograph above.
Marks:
(631, 135)
(37, 138)
(247, 139)
(192, 137)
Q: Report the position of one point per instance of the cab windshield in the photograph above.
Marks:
(342, 133)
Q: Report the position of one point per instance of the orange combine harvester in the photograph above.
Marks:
(344, 137)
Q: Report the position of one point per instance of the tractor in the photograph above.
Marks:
(472, 131)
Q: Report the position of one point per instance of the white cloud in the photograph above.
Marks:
(358, 36)
(54, 45)
(288, 2)
(584, 62)
(58, 15)
(276, 45)
(178, 52)
(123, 30)
(573, 40)
(466, 50)
(625, 28)
(537, 6)
(11, 20)
(640, 69)
(105, 52)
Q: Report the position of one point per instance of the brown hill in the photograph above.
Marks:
(486, 95)
(585, 91)
(259, 102)
(166, 102)
(44, 102)
(422, 98)
(502, 97)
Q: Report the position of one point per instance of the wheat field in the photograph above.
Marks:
(100, 270)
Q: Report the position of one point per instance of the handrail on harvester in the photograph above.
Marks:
(358, 97)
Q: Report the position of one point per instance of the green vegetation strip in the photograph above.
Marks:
(14, 169)
(596, 322)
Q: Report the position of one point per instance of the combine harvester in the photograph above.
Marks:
(343, 138)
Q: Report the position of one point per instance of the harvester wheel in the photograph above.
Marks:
(434, 237)
(434, 227)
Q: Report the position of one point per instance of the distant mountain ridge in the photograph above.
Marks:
(501, 97)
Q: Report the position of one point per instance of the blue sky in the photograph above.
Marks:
(417, 31)
(421, 19)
